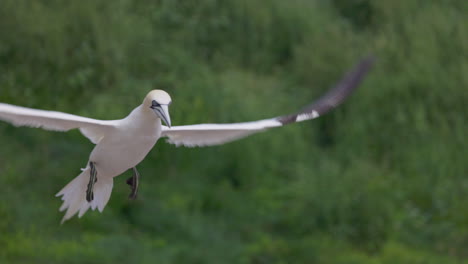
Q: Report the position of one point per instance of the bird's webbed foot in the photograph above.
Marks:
(92, 181)
(133, 182)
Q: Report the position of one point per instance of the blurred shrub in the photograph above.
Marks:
(382, 179)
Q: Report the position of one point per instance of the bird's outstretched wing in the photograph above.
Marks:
(22, 116)
(215, 134)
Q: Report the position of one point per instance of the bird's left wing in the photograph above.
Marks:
(215, 134)
(93, 129)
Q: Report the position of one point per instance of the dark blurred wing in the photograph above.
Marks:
(215, 134)
(334, 96)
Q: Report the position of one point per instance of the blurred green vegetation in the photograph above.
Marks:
(382, 179)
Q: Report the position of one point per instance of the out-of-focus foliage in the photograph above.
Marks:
(383, 179)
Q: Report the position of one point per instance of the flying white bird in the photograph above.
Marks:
(122, 144)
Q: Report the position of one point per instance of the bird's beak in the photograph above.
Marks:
(163, 112)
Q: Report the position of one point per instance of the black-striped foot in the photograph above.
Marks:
(92, 181)
(133, 182)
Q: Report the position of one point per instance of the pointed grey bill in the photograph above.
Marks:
(163, 112)
(335, 96)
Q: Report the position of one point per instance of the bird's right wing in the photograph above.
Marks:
(215, 134)
(93, 129)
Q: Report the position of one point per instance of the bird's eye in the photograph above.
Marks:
(155, 104)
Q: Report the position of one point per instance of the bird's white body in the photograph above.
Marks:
(128, 143)
(122, 144)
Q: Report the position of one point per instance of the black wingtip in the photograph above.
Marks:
(357, 74)
(367, 63)
(336, 95)
(345, 86)
(360, 69)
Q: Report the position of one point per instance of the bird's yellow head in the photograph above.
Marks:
(159, 101)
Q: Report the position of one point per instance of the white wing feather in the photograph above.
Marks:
(214, 134)
(93, 129)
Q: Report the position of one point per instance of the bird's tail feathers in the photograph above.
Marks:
(74, 194)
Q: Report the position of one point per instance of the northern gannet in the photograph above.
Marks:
(122, 144)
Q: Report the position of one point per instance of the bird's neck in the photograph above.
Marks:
(143, 116)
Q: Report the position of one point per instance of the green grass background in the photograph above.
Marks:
(382, 179)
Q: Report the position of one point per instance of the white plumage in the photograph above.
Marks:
(122, 144)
